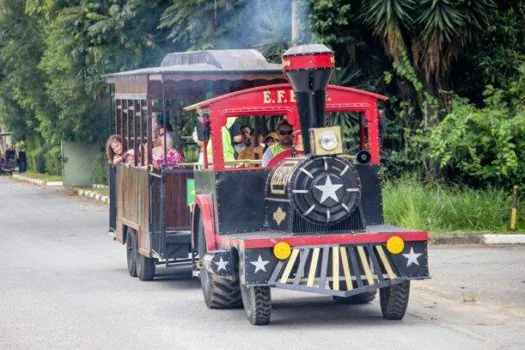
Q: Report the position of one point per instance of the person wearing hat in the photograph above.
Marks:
(285, 131)
(270, 140)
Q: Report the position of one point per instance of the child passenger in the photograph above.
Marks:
(116, 151)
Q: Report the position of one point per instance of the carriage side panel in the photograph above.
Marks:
(133, 205)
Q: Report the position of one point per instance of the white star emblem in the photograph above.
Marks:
(221, 265)
(260, 264)
(412, 257)
(329, 190)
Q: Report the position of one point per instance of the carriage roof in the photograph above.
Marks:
(242, 64)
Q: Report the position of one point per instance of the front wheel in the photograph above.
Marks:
(219, 293)
(257, 303)
(394, 300)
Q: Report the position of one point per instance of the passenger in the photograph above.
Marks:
(173, 157)
(285, 131)
(251, 149)
(129, 157)
(270, 139)
(231, 134)
(195, 137)
(159, 128)
(116, 150)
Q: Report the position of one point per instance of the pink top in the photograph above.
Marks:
(173, 157)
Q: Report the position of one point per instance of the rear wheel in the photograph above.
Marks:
(145, 268)
(257, 304)
(131, 252)
(219, 293)
(394, 300)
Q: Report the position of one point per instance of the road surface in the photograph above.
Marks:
(64, 285)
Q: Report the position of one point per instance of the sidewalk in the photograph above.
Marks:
(83, 192)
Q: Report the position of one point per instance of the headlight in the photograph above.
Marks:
(328, 140)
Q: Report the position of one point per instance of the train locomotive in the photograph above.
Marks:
(311, 220)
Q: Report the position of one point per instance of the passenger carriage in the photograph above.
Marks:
(149, 210)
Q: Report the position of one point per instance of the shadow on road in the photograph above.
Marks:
(176, 277)
(323, 311)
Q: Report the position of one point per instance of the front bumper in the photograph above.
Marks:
(339, 270)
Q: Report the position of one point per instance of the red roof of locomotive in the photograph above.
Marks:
(206, 103)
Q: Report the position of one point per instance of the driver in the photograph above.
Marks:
(285, 131)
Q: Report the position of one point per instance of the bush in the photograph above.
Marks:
(100, 170)
(484, 145)
(441, 208)
(36, 159)
(53, 164)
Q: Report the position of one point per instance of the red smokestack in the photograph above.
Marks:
(308, 68)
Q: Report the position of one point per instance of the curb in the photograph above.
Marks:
(454, 239)
(78, 191)
(486, 239)
(504, 239)
(37, 182)
(91, 194)
(98, 186)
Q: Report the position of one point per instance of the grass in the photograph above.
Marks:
(40, 176)
(439, 208)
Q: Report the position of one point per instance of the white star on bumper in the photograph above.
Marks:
(260, 264)
(329, 190)
(412, 257)
(221, 264)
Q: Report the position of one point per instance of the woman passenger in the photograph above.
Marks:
(172, 157)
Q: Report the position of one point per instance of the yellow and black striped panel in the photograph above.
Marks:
(339, 268)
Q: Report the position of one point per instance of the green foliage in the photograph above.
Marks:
(438, 208)
(100, 170)
(53, 164)
(481, 146)
(36, 159)
(43, 176)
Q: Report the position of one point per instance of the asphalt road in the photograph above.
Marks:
(64, 285)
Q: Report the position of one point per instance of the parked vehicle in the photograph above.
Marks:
(311, 220)
(11, 158)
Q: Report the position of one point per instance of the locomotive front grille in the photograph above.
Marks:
(335, 270)
(353, 223)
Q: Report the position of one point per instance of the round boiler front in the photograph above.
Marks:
(324, 190)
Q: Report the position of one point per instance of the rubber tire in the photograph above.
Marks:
(131, 252)
(145, 268)
(219, 293)
(394, 300)
(257, 303)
